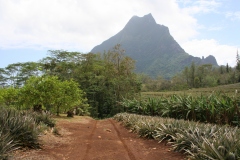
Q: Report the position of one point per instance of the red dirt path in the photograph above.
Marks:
(83, 138)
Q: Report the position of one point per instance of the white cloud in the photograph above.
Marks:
(81, 25)
(200, 6)
(223, 53)
(233, 15)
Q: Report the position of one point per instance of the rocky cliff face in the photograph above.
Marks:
(151, 45)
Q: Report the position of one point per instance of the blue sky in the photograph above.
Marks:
(28, 29)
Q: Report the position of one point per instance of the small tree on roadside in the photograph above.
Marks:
(50, 92)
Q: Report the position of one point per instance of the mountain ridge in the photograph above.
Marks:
(156, 52)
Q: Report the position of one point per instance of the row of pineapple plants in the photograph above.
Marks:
(215, 108)
(21, 129)
(199, 141)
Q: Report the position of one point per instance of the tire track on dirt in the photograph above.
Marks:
(89, 146)
(130, 154)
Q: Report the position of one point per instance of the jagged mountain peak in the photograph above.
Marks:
(152, 47)
(145, 19)
(141, 24)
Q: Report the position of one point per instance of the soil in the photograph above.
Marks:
(83, 138)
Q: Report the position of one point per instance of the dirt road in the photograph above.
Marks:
(83, 138)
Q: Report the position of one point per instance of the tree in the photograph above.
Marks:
(28, 70)
(202, 72)
(120, 68)
(192, 74)
(3, 81)
(50, 92)
(221, 69)
(16, 74)
(237, 67)
(1, 97)
(197, 82)
(12, 72)
(186, 75)
(107, 78)
(69, 96)
(9, 96)
(61, 63)
(237, 61)
(227, 68)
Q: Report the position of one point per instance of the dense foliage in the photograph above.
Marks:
(66, 80)
(52, 93)
(44, 92)
(214, 108)
(193, 76)
(104, 84)
(200, 141)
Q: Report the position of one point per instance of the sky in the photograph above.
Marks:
(29, 28)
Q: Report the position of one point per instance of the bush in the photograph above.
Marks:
(22, 127)
(17, 130)
(45, 118)
(6, 145)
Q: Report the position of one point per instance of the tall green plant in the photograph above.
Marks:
(214, 108)
(21, 127)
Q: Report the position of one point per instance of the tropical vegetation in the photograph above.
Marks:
(103, 85)
(194, 76)
(199, 141)
(21, 129)
(216, 108)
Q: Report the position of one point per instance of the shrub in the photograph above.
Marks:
(44, 118)
(22, 127)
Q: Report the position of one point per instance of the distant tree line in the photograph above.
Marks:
(194, 76)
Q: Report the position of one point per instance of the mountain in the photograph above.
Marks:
(152, 47)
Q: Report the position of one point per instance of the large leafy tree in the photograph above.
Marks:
(120, 68)
(119, 81)
(61, 63)
(90, 74)
(50, 92)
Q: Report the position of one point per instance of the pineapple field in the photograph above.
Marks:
(199, 141)
(217, 105)
(202, 123)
